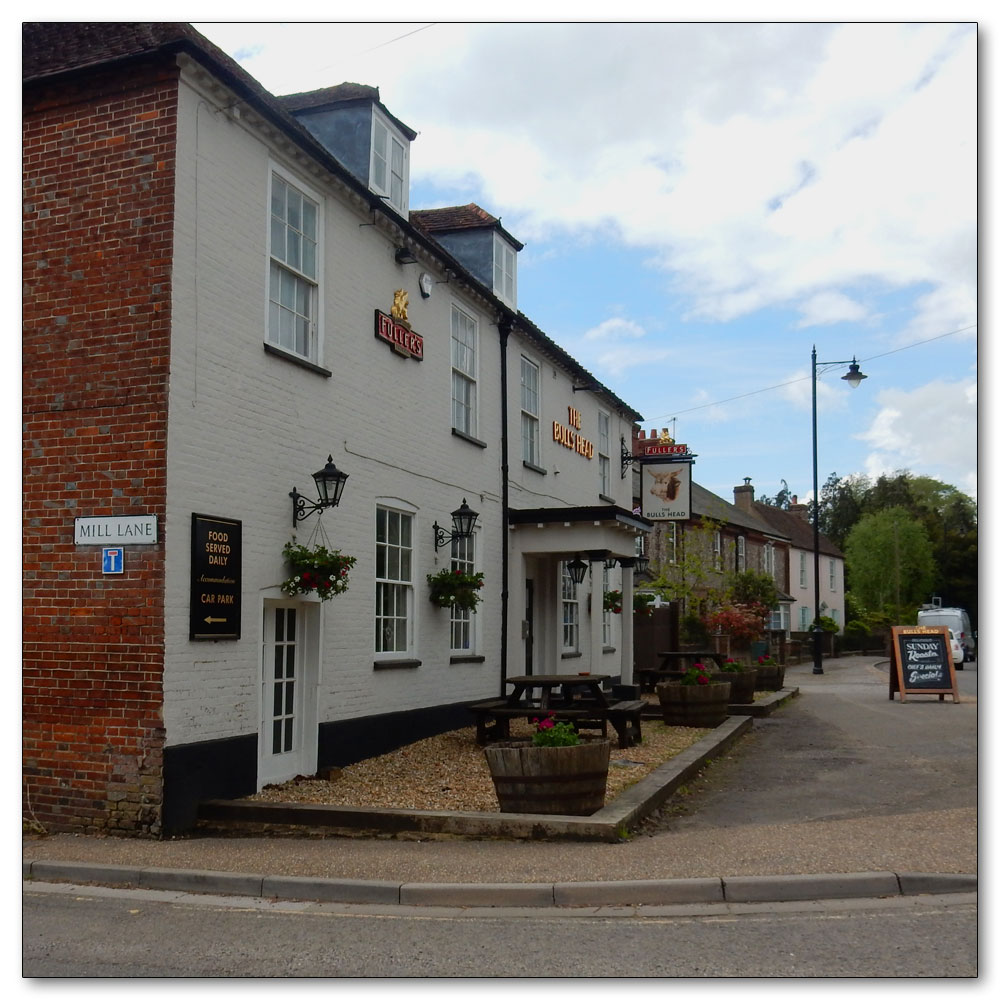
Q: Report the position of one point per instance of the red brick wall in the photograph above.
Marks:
(99, 163)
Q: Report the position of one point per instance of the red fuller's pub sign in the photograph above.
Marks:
(395, 329)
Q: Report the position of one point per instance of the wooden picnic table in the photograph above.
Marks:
(673, 664)
(558, 690)
(576, 698)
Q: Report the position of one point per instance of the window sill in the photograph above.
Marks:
(396, 664)
(468, 437)
(467, 658)
(606, 498)
(535, 468)
(610, 649)
(571, 656)
(296, 360)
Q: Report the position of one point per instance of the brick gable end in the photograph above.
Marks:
(98, 178)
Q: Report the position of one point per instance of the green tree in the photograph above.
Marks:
(889, 559)
(749, 587)
(841, 506)
(782, 499)
(948, 515)
(693, 577)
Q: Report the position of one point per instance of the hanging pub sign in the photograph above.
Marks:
(666, 490)
(395, 329)
(921, 662)
(216, 577)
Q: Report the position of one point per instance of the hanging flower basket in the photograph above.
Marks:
(613, 602)
(451, 588)
(316, 570)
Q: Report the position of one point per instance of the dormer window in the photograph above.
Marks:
(504, 271)
(390, 168)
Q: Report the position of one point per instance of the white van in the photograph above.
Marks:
(955, 619)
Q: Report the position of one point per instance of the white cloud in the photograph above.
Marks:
(615, 328)
(830, 307)
(615, 345)
(930, 431)
(759, 164)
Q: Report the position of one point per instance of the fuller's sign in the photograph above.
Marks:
(395, 329)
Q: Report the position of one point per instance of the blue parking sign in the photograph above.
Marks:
(114, 560)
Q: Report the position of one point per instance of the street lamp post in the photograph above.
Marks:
(853, 379)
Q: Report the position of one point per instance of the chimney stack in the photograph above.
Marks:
(743, 496)
(799, 509)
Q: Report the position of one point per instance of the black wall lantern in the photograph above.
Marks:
(577, 570)
(329, 487)
(463, 522)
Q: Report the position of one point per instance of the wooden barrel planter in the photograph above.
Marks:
(702, 706)
(770, 678)
(742, 685)
(560, 781)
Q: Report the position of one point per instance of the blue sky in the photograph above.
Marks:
(700, 204)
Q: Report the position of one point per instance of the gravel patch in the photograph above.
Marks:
(450, 772)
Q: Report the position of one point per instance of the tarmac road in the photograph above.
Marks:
(839, 780)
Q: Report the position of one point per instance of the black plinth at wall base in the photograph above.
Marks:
(213, 769)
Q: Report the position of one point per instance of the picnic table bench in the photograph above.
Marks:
(590, 709)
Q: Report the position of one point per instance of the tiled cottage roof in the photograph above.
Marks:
(706, 504)
(330, 95)
(48, 47)
(797, 528)
(458, 218)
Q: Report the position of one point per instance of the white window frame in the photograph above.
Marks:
(604, 451)
(805, 619)
(504, 271)
(389, 169)
(463, 620)
(833, 575)
(779, 618)
(803, 578)
(717, 551)
(741, 553)
(295, 265)
(530, 412)
(394, 574)
(570, 611)
(769, 559)
(464, 378)
(607, 634)
(671, 542)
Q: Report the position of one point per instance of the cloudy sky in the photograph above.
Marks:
(700, 205)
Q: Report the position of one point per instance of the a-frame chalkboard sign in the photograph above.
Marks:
(921, 662)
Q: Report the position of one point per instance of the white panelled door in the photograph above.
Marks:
(288, 693)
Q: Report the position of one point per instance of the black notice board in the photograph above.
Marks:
(216, 577)
(921, 662)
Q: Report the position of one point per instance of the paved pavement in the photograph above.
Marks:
(839, 793)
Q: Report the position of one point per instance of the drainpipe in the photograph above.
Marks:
(504, 327)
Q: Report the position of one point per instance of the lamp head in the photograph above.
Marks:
(854, 374)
